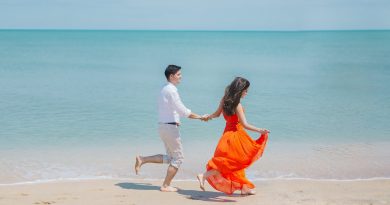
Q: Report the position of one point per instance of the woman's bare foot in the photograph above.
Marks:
(168, 189)
(201, 181)
(250, 192)
(138, 163)
(247, 191)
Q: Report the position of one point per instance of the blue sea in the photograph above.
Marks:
(80, 104)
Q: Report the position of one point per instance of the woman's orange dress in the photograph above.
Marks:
(235, 151)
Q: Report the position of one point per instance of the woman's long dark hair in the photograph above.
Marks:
(233, 94)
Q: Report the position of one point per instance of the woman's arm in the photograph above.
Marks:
(245, 124)
(218, 112)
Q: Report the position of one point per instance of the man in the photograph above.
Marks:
(170, 109)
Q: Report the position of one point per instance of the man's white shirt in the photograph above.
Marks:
(170, 106)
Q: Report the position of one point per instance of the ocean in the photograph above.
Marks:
(78, 104)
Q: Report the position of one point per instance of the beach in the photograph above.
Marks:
(109, 191)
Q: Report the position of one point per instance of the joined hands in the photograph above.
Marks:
(205, 117)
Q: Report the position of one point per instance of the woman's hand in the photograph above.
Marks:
(263, 131)
(205, 117)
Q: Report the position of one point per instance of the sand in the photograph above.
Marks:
(128, 192)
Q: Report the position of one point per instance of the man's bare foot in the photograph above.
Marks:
(201, 181)
(168, 189)
(138, 163)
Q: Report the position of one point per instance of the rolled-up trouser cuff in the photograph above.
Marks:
(173, 162)
(176, 163)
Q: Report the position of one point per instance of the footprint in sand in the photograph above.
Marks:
(300, 192)
(45, 202)
(308, 200)
(284, 196)
(23, 194)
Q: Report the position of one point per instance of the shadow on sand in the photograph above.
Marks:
(189, 194)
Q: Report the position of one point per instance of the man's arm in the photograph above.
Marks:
(195, 116)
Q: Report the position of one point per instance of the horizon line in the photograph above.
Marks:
(189, 30)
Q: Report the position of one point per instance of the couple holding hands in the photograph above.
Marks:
(235, 151)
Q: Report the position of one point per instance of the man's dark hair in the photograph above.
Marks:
(171, 69)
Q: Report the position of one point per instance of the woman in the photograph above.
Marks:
(236, 150)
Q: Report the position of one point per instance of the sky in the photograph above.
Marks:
(196, 14)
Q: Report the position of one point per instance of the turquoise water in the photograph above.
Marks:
(77, 104)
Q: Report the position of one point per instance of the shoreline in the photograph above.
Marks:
(103, 178)
(114, 191)
(310, 162)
